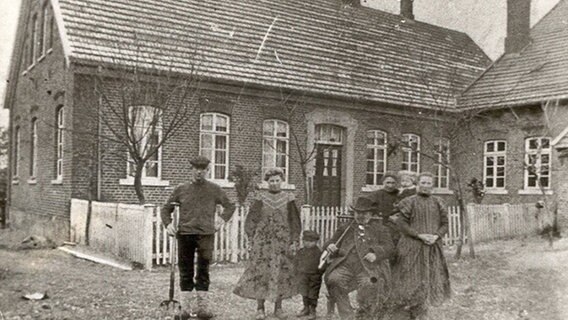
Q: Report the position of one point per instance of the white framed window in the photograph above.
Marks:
(60, 128)
(43, 30)
(16, 153)
(495, 164)
(214, 137)
(442, 172)
(33, 148)
(537, 163)
(33, 41)
(275, 146)
(147, 129)
(376, 156)
(411, 152)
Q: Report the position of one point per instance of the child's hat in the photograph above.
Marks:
(310, 235)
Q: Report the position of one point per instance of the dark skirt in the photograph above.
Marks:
(420, 274)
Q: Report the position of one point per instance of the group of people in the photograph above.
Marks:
(389, 251)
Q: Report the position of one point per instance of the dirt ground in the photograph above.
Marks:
(516, 279)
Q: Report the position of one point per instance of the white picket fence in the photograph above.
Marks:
(492, 222)
(136, 232)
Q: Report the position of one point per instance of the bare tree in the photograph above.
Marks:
(135, 107)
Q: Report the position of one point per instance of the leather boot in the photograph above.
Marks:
(311, 312)
(330, 305)
(306, 309)
(185, 301)
(203, 305)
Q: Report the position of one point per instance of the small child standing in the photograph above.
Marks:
(309, 276)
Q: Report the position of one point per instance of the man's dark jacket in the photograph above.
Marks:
(198, 203)
(377, 241)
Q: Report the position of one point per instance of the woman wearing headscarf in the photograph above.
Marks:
(273, 228)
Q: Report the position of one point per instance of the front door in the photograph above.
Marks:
(327, 179)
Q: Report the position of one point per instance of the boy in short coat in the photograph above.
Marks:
(309, 275)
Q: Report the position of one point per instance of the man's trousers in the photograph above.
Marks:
(188, 246)
(343, 280)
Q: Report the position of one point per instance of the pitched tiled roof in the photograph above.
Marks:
(538, 73)
(318, 46)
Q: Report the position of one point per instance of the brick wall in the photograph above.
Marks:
(40, 90)
(513, 127)
(248, 109)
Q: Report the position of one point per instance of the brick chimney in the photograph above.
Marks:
(406, 9)
(518, 25)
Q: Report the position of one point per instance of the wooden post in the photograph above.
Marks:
(149, 210)
(235, 235)
(305, 216)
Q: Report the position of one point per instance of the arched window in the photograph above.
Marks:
(147, 129)
(376, 156)
(43, 30)
(59, 130)
(51, 30)
(33, 40)
(214, 137)
(16, 153)
(33, 148)
(275, 146)
(411, 152)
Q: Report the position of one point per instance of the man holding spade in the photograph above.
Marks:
(195, 232)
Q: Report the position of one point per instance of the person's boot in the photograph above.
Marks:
(185, 302)
(260, 315)
(278, 312)
(203, 305)
(330, 306)
(311, 312)
(306, 309)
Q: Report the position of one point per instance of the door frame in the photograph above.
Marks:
(350, 125)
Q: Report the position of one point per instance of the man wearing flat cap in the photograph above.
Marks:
(360, 251)
(198, 200)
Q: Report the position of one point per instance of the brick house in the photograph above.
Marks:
(523, 106)
(364, 79)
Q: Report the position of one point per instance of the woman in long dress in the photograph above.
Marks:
(421, 275)
(273, 229)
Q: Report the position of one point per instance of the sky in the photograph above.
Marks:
(483, 20)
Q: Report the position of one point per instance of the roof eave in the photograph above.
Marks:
(16, 58)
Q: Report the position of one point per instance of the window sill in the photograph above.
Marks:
(57, 181)
(41, 58)
(32, 181)
(145, 182)
(49, 51)
(285, 186)
(15, 180)
(371, 188)
(442, 191)
(29, 68)
(223, 183)
(496, 191)
(536, 192)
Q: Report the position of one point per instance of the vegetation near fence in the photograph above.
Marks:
(136, 232)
